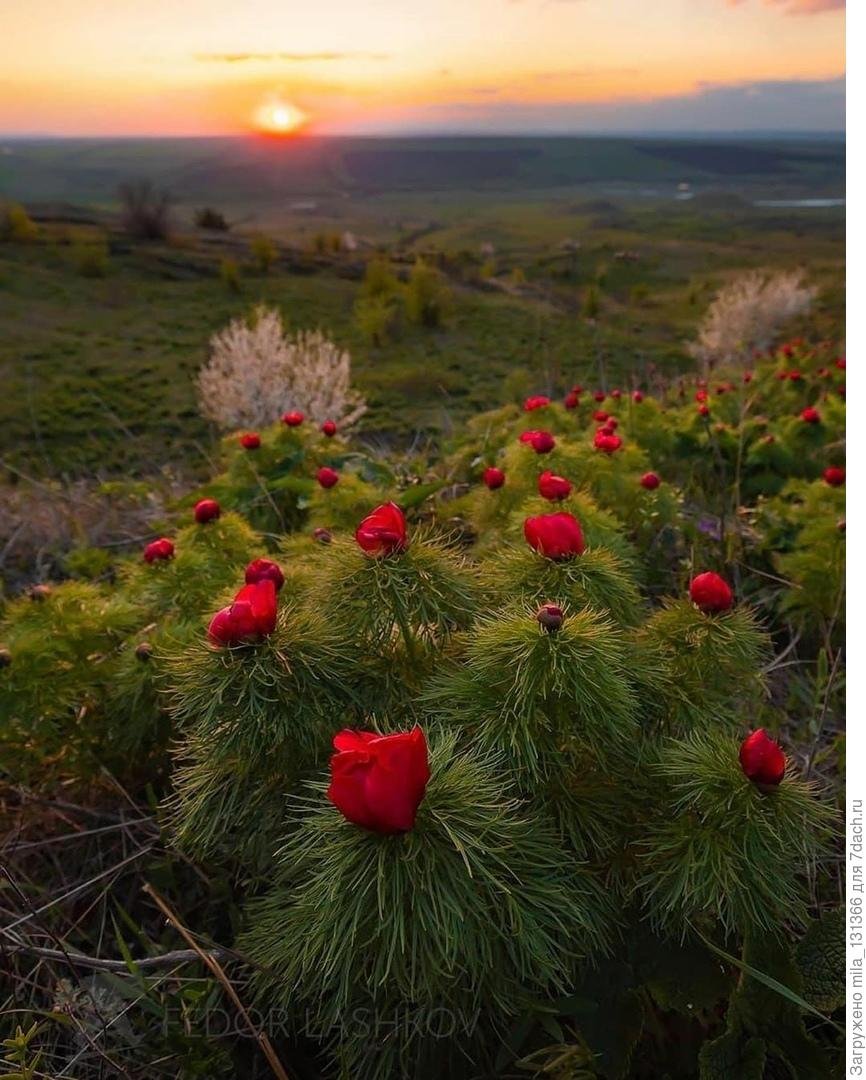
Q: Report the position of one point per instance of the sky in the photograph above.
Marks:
(211, 67)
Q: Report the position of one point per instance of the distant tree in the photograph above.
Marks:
(375, 317)
(145, 211)
(747, 315)
(428, 298)
(17, 225)
(591, 305)
(208, 218)
(230, 275)
(264, 252)
(91, 257)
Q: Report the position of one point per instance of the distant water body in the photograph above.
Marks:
(810, 204)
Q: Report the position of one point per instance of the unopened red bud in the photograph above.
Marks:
(322, 536)
(143, 651)
(5, 657)
(550, 617)
(40, 593)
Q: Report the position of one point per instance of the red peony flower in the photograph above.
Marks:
(810, 415)
(840, 363)
(612, 423)
(572, 399)
(824, 372)
(616, 393)
(553, 487)
(795, 376)
(788, 350)
(607, 442)
(637, 397)
(577, 389)
(537, 401)
(327, 477)
(701, 395)
(555, 536)
(252, 615)
(379, 781)
(206, 510)
(834, 476)
(781, 375)
(599, 416)
(711, 593)
(293, 419)
(762, 759)
(494, 478)
(599, 396)
(703, 410)
(747, 376)
(383, 532)
(542, 442)
(650, 481)
(329, 428)
(251, 440)
(264, 570)
(157, 550)
(550, 617)
(322, 536)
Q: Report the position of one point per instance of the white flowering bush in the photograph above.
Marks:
(255, 373)
(747, 314)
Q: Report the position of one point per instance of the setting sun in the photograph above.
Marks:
(280, 118)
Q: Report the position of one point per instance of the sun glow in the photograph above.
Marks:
(280, 118)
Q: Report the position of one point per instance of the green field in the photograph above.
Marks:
(98, 371)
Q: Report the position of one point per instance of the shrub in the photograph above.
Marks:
(16, 225)
(230, 274)
(208, 218)
(264, 252)
(428, 298)
(747, 314)
(255, 373)
(90, 258)
(145, 211)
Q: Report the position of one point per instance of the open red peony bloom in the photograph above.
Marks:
(703, 410)
(599, 396)
(701, 395)
(251, 440)
(542, 442)
(810, 415)
(555, 536)
(762, 759)
(293, 419)
(834, 475)
(206, 510)
(159, 549)
(553, 487)
(327, 477)
(650, 481)
(383, 532)
(572, 399)
(494, 478)
(607, 442)
(711, 593)
(264, 570)
(379, 781)
(329, 428)
(537, 401)
(637, 397)
(252, 615)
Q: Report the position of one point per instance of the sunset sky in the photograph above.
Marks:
(206, 67)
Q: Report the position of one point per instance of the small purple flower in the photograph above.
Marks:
(710, 526)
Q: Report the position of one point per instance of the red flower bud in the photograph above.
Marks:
(159, 549)
(762, 759)
(840, 363)
(824, 372)
(810, 415)
(550, 617)
(781, 375)
(264, 570)
(612, 423)
(252, 615)
(637, 397)
(322, 536)
(650, 481)
(701, 395)
(788, 351)
(572, 399)
(607, 443)
(206, 510)
(616, 394)
(599, 396)
(250, 441)
(576, 389)
(704, 410)
(599, 416)
(143, 651)
(747, 376)
(293, 419)
(711, 593)
(327, 477)
(379, 781)
(834, 475)
(329, 428)
(555, 536)
(542, 442)
(795, 376)
(537, 401)
(553, 487)
(494, 478)
(383, 532)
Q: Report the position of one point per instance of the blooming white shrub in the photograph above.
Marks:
(747, 314)
(255, 374)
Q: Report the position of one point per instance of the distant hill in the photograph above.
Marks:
(245, 171)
